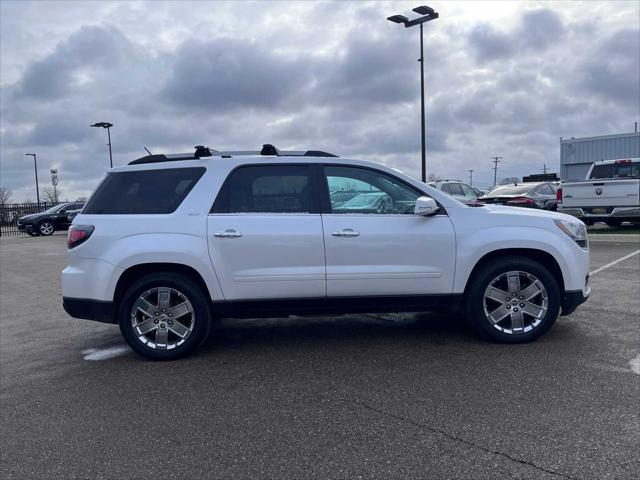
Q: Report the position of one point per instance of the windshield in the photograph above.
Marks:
(510, 190)
(55, 208)
(362, 201)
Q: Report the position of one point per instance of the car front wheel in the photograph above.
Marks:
(46, 229)
(164, 316)
(513, 300)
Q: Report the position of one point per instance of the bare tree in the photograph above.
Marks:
(5, 196)
(50, 195)
(506, 180)
(433, 178)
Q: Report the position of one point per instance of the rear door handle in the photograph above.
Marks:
(228, 233)
(346, 232)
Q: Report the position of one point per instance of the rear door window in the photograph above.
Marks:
(143, 191)
(266, 189)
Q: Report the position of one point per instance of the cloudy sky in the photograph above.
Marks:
(503, 78)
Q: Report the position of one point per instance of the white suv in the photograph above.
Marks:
(168, 245)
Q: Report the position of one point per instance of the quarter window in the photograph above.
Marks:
(359, 190)
(265, 189)
(143, 191)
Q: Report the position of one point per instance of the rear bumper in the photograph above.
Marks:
(87, 309)
(616, 212)
(573, 298)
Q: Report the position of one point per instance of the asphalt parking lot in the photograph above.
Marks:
(384, 396)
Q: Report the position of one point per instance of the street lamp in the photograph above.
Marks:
(106, 125)
(428, 14)
(35, 166)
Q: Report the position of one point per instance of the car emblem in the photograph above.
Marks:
(598, 191)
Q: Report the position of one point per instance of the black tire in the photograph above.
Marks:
(486, 274)
(185, 286)
(45, 228)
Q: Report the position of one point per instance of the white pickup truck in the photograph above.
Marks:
(610, 194)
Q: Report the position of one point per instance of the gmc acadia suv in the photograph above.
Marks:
(170, 244)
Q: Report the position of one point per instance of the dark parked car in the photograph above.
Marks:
(540, 195)
(47, 222)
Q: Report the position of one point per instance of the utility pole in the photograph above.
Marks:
(544, 168)
(496, 160)
(471, 177)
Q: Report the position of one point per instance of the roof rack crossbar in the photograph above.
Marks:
(202, 151)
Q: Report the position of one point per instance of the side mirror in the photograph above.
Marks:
(426, 206)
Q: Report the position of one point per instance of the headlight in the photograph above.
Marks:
(576, 230)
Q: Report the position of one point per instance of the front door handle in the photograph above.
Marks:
(228, 233)
(346, 232)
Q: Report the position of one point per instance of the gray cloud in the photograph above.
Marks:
(342, 80)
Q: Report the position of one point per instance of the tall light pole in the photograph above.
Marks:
(428, 14)
(108, 126)
(471, 177)
(35, 167)
(54, 182)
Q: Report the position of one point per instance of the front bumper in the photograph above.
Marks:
(87, 309)
(25, 227)
(573, 298)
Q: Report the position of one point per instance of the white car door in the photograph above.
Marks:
(265, 234)
(389, 252)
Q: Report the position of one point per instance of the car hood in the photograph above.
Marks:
(32, 216)
(525, 212)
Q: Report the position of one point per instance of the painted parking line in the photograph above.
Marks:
(615, 262)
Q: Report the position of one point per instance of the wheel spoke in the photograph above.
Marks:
(513, 279)
(164, 297)
(497, 295)
(146, 326)
(162, 335)
(179, 310)
(144, 306)
(179, 329)
(533, 310)
(532, 290)
(498, 314)
(516, 320)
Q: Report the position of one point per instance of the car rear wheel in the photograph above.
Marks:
(164, 316)
(46, 228)
(513, 300)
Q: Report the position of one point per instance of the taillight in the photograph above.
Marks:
(521, 201)
(78, 234)
(559, 195)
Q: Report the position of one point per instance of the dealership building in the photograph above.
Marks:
(578, 154)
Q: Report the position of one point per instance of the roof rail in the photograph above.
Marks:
(202, 151)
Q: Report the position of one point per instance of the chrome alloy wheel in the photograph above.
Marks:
(46, 228)
(515, 302)
(162, 318)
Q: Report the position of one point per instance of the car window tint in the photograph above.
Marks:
(265, 189)
(369, 191)
(468, 191)
(545, 189)
(627, 170)
(602, 171)
(143, 191)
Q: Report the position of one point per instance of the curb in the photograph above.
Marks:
(630, 238)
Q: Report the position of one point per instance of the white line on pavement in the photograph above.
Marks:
(105, 353)
(622, 259)
(635, 365)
